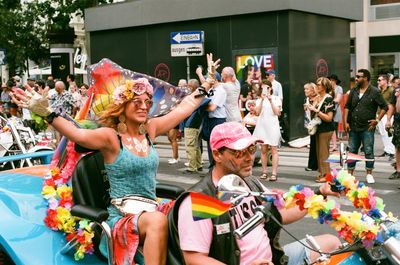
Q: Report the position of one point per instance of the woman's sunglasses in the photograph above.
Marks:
(139, 102)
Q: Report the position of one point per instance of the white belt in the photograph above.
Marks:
(134, 204)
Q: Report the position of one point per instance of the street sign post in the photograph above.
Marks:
(185, 44)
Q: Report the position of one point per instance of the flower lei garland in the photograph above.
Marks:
(58, 194)
(350, 226)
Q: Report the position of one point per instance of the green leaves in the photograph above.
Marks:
(26, 27)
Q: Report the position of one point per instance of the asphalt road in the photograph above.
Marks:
(290, 172)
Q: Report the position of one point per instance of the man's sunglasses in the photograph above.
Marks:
(240, 153)
(359, 76)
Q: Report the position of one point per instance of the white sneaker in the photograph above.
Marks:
(370, 179)
(173, 161)
(186, 164)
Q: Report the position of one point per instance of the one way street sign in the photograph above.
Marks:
(187, 43)
(187, 37)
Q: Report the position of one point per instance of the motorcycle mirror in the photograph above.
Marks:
(232, 188)
(232, 183)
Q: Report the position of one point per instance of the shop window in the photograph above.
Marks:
(384, 64)
(383, 2)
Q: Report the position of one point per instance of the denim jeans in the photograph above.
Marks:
(212, 123)
(367, 139)
(297, 253)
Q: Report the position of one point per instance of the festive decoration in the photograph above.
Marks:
(58, 194)
(350, 226)
(105, 77)
(204, 206)
(130, 88)
(335, 157)
(39, 123)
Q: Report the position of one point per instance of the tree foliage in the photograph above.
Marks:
(27, 27)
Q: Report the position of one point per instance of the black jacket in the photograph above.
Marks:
(223, 247)
(363, 109)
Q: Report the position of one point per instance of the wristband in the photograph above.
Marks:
(51, 117)
(202, 92)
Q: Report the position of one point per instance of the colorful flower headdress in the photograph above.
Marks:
(130, 89)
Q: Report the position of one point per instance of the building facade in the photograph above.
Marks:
(300, 39)
(376, 39)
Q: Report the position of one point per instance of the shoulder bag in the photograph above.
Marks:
(313, 124)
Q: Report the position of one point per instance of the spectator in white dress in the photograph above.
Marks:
(268, 108)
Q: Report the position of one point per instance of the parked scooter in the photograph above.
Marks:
(16, 138)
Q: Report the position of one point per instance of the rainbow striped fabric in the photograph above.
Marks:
(335, 158)
(204, 206)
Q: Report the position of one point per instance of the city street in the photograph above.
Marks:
(291, 172)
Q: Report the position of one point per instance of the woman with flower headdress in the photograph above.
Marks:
(130, 158)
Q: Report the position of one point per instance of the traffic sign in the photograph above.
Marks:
(194, 49)
(187, 37)
(2, 56)
(187, 43)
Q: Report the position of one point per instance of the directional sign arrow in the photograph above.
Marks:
(187, 37)
(177, 38)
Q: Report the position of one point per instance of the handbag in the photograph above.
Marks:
(133, 204)
(312, 126)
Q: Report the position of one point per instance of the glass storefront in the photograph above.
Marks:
(384, 63)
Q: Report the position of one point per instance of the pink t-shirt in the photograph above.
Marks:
(197, 235)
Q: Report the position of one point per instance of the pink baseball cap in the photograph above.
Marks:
(232, 135)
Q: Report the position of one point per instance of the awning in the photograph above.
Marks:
(47, 71)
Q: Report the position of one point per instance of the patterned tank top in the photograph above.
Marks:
(132, 174)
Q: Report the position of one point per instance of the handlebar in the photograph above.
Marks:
(258, 218)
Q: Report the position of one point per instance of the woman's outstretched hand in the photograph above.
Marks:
(32, 100)
(211, 68)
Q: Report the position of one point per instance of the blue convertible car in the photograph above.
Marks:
(24, 237)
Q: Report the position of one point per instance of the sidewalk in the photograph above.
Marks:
(295, 158)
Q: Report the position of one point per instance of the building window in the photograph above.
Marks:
(384, 10)
(384, 63)
(383, 2)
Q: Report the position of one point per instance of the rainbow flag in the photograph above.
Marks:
(335, 158)
(204, 206)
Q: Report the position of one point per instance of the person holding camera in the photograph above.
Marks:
(268, 107)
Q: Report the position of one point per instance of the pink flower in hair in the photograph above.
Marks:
(130, 89)
(142, 85)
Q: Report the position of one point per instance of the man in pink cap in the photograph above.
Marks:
(211, 241)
